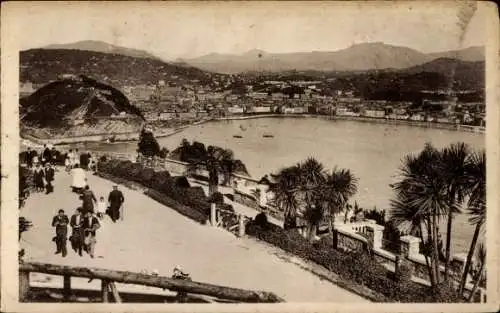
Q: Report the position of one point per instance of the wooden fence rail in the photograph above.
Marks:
(109, 277)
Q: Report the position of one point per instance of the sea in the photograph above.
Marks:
(372, 151)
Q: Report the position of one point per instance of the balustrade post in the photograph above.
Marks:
(24, 285)
(241, 226)
(213, 214)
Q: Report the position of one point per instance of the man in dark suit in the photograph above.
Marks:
(28, 156)
(47, 155)
(49, 177)
(76, 238)
(60, 222)
(115, 200)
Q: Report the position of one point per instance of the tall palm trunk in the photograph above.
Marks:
(333, 232)
(435, 249)
(448, 246)
(476, 283)
(430, 239)
(472, 248)
(448, 236)
(429, 268)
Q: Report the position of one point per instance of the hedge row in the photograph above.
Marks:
(200, 217)
(355, 268)
(172, 191)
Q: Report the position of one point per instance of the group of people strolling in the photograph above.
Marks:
(86, 221)
(48, 155)
(75, 159)
(43, 177)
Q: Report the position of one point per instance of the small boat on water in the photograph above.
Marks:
(237, 136)
(268, 135)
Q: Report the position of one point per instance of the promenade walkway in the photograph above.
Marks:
(153, 236)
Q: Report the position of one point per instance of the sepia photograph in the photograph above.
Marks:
(257, 152)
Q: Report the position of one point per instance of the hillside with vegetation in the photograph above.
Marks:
(40, 66)
(61, 106)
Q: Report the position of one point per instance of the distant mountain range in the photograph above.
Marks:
(119, 66)
(359, 57)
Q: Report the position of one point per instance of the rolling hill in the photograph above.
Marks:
(359, 57)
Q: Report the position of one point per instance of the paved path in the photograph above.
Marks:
(153, 236)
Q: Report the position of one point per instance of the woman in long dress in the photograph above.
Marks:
(79, 179)
(38, 175)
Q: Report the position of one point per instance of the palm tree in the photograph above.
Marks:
(453, 165)
(476, 183)
(312, 178)
(409, 219)
(423, 189)
(340, 186)
(481, 259)
(286, 181)
(216, 161)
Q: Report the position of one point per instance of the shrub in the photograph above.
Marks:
(196, 215)
(176, 189)
(181, 182)
(146, 176)
(147, 145)
(103, 158)
(217, 198)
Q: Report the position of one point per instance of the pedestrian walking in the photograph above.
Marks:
(76, 238)
(34, 158)
(60, 222)
(38, 177)
(49, 177)
(102, 207)
(79, 179)
(76, 158)
(67, 163)
(46, 155)
(54, 154)
(28, 158)
(115, 200)
(88, 198)
(90, 226)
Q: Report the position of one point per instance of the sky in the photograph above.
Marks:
(185, 30)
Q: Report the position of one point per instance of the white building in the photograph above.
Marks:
(261, 109)
(374, 113)
(235, 110)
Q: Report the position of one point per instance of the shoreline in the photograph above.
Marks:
(421, 124)
(130, 137)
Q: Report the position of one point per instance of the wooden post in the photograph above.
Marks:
(67, 287)
(213, 215)
(114, 290)
(104, 291)
(24, 285)
(241, 226)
